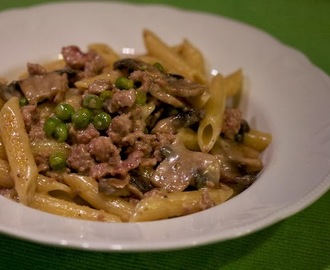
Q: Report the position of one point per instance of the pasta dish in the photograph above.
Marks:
(102, 137)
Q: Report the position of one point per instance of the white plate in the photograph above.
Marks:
(286, 96)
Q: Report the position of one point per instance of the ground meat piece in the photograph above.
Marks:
(99, 86)
(143, 78)
(74, 57)
(148, 162)
(140, 141)
(37, 133)
(42, 162)
(100, 170)
(29, 115)
(121, 99)
(120, 126)
(89, 64)
(84, 136)
(79, 158)
(95, 65)
(138, 117)
(36, 69)
(104, 150)
(132, 162)
(232, 122)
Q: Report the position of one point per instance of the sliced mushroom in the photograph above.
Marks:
(239, 163)
(10, 90)
(129, 65)
(114, 186)
(178, 86)
(183, 167)
(172, 124)
(168, 88)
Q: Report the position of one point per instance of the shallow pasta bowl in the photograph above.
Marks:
(284, 95)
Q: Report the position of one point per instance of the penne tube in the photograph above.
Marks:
(192, 56)
(86, 82)
(189, 138)
(5, 178)
(47, 203)
(46, 184)
(210, 126)
(257, 140)
(48, 146)
(172, 62)
(199, 102)
(107, 53)
(87, 189)
(3, 154)
(54, 65)
(24, 170)
(233, 83)
(179, 203)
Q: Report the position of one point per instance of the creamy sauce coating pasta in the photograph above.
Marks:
(105, 138)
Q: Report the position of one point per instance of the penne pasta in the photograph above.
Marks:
(86, 82)
(107, 53)
(47, 203)
(233, 83)
(257, 140)
(189, 138)
(46, 185)
(179, 203)
(5, 178)
(192, 56)
(3, 154)
(54, 65)
(87, 188)
(23, 167)
(49, 146)
(172, 62)
(199, 102)
(210, 126)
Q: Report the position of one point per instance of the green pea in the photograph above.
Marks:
(141, 98)
(50, 126)
(64, 111)
(101, 121)
(159, 66)
(57, 161)
(81, 118)
(23, 101)
(107, 94)
(61, 132)
(124, 83)
(92, 102)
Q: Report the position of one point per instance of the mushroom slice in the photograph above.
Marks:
(179, 86)
(183, 167)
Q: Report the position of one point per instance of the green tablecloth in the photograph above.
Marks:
(299, 242)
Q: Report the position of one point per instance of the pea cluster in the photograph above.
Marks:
(57, 125)
(91, 112)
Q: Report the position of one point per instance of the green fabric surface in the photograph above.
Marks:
(299, 242)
